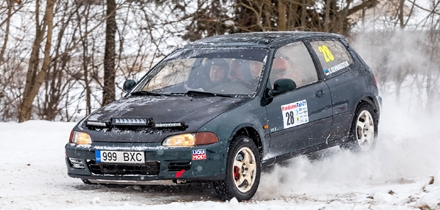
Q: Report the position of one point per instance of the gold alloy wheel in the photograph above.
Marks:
(244, 169)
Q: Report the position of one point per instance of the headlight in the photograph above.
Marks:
(190, 139)
(80, 138)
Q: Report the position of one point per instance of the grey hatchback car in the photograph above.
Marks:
(223, 108)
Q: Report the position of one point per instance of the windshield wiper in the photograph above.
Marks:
(146, 93)
(208, 94)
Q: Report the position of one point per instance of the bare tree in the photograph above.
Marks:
(56, 80)
(35, 74)
(108, 94)
(8, 24)
(273, 15)
(9, 12)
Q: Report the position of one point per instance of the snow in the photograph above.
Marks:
(402, 173)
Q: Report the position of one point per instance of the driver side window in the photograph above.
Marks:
(293, 61)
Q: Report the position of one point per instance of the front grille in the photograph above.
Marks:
(149, 168)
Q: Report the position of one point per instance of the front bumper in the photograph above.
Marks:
(161, 163)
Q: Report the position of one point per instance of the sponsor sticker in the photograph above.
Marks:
(199, 154)
(295, 114)
(336, 68)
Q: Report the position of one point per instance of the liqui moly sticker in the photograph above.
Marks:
(199, 154)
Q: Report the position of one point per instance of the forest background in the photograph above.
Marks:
(61, 60)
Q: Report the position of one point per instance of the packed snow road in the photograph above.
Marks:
(402, 173)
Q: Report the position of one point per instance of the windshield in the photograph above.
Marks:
(222, 71)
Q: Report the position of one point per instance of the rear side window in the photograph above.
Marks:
(332, 55)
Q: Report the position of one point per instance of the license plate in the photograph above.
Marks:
(119, 157)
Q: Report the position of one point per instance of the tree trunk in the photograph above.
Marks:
(35, 78)
(86, 58)
(109, 57)
(304, 14)
(401, 21)
(5, 40)
(327, 15)
(343, 21)
(282, 16)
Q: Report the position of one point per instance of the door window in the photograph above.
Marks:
(293, 61)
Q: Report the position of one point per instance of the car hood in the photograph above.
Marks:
(192, 111)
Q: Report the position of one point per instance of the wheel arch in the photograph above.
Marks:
(252, 133)
(373, 103)
(366, 104)
(369, 99)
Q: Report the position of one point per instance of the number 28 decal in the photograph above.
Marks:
(295, 113)
(290, 115)
(328, 56)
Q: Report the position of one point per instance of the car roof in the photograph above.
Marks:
(258, 39)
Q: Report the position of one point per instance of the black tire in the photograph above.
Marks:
(243, 170)
(363, 130)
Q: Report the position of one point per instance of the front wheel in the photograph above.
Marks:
(243, 169)
(364, 130)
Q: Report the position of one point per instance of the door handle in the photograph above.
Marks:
(319, 93)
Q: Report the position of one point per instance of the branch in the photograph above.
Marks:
(424, 9)
(366, 4)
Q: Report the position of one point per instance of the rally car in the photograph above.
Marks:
(223, 108)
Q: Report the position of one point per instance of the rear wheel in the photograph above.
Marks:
(363, 130)
(243, 169)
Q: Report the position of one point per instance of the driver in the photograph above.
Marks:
(218, 72)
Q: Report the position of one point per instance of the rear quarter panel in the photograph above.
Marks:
(348, 90)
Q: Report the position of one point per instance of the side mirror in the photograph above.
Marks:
(128, 85)
(282, 86)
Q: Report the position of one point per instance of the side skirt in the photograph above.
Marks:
(272, 161)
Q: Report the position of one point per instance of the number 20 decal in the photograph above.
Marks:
(328, 56)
